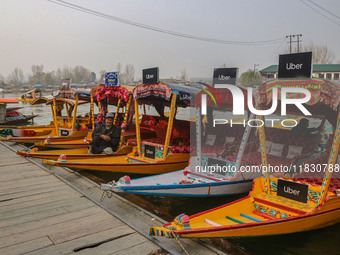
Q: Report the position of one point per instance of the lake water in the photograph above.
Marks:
(323, 241)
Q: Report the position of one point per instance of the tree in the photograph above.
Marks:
(321, 53)
(184, 76)
(130, 73)
(16, 77)
(250, 78)
(38, 74)
(49, 78)
(80, 73)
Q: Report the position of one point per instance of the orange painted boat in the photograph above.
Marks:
(278, 205)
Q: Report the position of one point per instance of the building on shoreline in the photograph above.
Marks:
(324, 71)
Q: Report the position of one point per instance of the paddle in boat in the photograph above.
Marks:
(168, 151)
(278, 205)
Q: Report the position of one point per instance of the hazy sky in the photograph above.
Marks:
(42, 32)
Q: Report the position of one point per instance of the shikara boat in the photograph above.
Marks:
(196, 181)
(65, 127)
(182, 183)
(169, 151)
(33, 96)
(12, 116)
(277, 205)
(119, 96)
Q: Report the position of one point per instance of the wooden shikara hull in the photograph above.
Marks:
(65, 144)
(194, 190)
(26, 100)
(329, 215)
(168, 185)
(35, 139)
(71, 154)
(120, 164)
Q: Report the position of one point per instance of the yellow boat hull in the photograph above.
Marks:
(121, 164)
(242, 219)
(26, 100)
(65, 144)
(81, 153)
(35, 139)
(327, 217)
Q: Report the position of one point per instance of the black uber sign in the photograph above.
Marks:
(150, 151)
(292, 190)
(225, 76)
(150, 76)
(65, 83)
(64, 132)
(297, 65)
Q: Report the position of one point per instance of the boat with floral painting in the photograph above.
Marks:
(168, 151)
(277, 204)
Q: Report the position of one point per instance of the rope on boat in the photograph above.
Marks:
(172, 231)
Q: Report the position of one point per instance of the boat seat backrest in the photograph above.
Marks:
(224, 131)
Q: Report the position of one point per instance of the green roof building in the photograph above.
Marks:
(324, 71)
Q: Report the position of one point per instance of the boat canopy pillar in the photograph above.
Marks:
(262, 139)
(170, 124)
(117, 111)
(331, 161)
(74, 114)
(137, 128)
(54, 112)
(199, 136)
(127, 109)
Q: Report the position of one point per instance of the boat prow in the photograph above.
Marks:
(258, 214)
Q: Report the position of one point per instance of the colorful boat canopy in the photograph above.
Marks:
(322, 91)
(72, 94)
(218, 98)
(163, 91)
(325, 96)
(112, 94)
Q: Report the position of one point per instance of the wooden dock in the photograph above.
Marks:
(56, 211)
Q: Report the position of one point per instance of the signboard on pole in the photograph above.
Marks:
(65, 83)
(225, 76)
(111, 79)
(150, 76)
(297, 65)
(292, 190)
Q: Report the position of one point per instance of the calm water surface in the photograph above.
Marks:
(323, 241)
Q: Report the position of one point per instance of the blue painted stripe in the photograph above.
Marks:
(181, 195)
(182, 186)
(250, 218)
